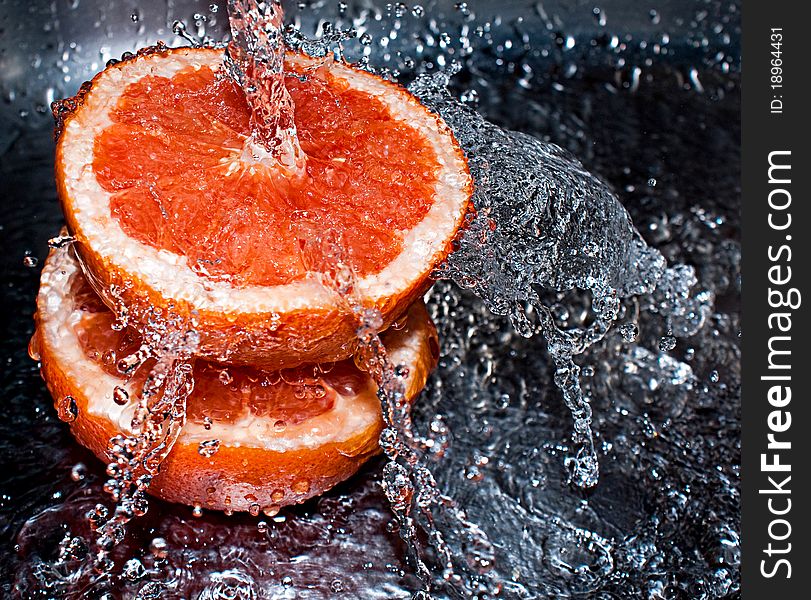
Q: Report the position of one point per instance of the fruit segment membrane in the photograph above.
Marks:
(223, 393)
(173, 162)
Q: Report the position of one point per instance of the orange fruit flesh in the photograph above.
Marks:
(172, 161)
(223, 394)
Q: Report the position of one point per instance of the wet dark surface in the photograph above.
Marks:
(664, 519)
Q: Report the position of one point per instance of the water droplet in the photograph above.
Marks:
(197, 510)
(462, 7)
(159, 548)
(473, 473)
(470, 97)
(667, 343)
(140, 504)
(225, 377)
(120, 395)
(208, 448)
(60, 241)
(30, 261)
(629, 332)
(78, 472)
(302, 486)
(67, 409)
(128, 364)
(33, 347)
(134, 570)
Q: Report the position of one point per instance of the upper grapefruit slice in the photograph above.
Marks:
(172, 210)
(252, 439)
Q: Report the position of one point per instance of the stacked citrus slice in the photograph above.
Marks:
(173, 214)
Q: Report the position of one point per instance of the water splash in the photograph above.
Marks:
(255, 59)
(419, 507)
(157, 420)
(545, 223)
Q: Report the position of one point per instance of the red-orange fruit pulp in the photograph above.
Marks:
(172, 161)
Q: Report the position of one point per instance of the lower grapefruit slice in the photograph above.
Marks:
(173, 210)
(253, 439)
